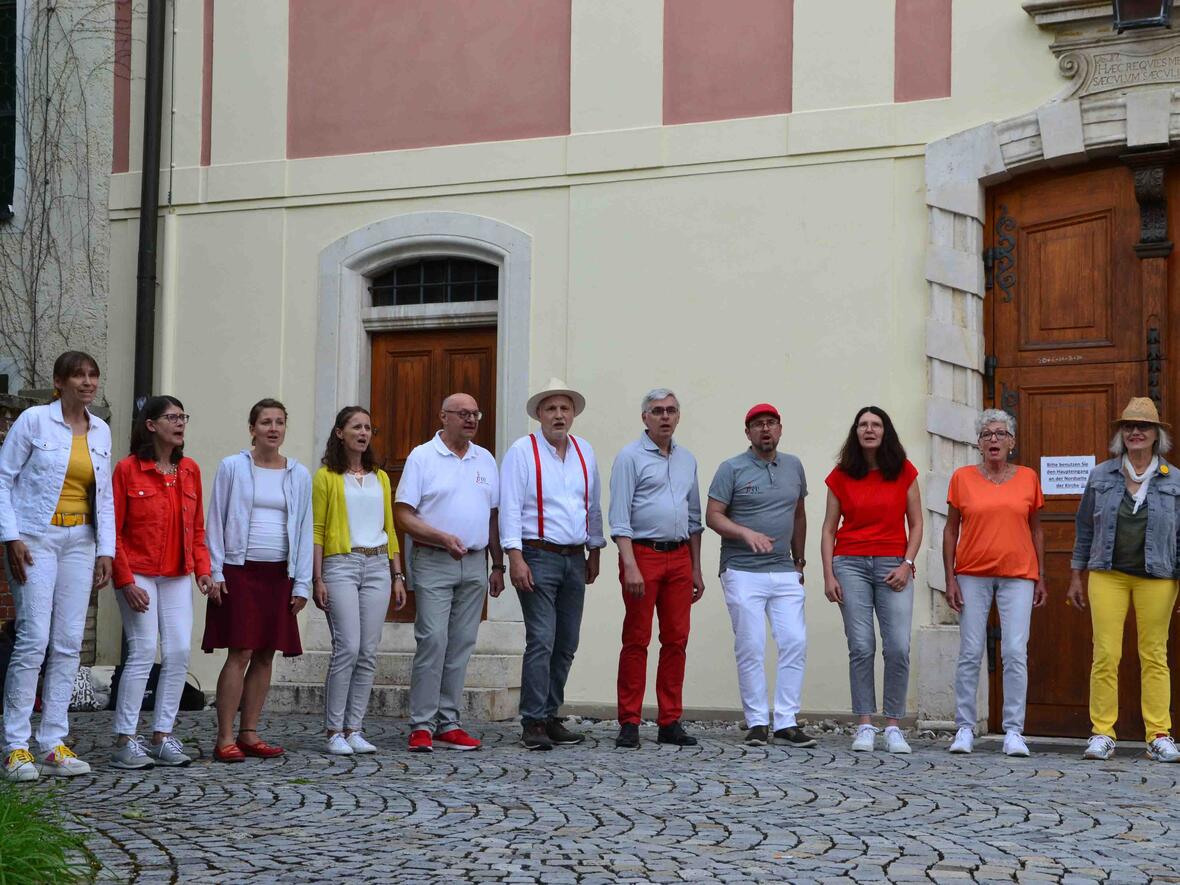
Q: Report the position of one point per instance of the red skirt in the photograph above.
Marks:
(256, 612)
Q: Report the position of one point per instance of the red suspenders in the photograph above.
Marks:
(541, 497)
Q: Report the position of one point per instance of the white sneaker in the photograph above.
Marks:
(20, 766)
(1163, 749)
(357, 741)
(964, 741)
(1014, 744)
(337, 745)
(1099, 747)
(63, 763)
(895, 741)
(866, 736)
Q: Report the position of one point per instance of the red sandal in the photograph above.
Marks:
(231, 753)
(260, 749)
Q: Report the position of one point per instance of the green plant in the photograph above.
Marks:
(35, 845)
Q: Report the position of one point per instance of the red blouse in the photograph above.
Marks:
(872, 512)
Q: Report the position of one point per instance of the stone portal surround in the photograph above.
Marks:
(1065, 131)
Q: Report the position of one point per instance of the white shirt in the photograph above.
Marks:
(565, 488)
(268, 517)
(364, 499)
(452, 494)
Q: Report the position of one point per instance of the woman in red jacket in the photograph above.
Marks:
(159, 542)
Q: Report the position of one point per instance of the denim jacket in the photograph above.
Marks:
(1098, 517)
(33, 464)
(227, 528)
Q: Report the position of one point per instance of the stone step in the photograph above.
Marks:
(394, 668)
(492, 704)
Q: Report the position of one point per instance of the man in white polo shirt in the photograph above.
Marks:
(447, 503)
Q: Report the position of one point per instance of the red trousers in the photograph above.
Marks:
(667, 580)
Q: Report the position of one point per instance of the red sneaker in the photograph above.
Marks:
(457, 739)
(421, 742)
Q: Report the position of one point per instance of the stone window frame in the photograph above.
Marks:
(346, 317)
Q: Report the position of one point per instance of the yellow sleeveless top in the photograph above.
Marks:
(75, 491)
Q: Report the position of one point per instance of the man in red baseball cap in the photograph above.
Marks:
(756, 506)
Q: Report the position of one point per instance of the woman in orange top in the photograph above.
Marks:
(993, 548)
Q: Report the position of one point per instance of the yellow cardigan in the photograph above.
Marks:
(330, 513)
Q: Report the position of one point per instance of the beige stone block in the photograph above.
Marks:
(1062, 138)
(1149, 117)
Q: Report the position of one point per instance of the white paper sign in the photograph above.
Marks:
(1065, 474)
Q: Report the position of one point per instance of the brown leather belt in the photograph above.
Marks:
(659, 546)
(370, 551)
(560, 549)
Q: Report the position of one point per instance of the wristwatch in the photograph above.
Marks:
(910, 563)
(499, 567)
(399, 576)
(800, 562)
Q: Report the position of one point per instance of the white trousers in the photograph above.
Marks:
(50, 619)
(752, 598)
(170, 619)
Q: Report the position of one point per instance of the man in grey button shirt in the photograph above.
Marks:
(755, 504)
(655, 519)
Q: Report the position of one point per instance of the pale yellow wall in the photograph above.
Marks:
(842, 60)
(778, 258)
(773, 285)
(616, 64)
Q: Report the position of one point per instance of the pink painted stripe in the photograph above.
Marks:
(121, 125)
(207, 86)
(921, 50)
(727, 60)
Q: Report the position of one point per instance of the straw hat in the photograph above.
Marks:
(555, 387)
(1141, 409)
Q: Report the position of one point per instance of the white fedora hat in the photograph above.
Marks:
(555, 387)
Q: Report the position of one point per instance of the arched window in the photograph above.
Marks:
(435, 281)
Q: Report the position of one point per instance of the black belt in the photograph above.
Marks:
(659, 546)
(561, 549)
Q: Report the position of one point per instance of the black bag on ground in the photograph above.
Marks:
(191, 698)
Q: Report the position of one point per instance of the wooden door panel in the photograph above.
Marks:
(1066, 299)
(412, 372)
(1065, 283)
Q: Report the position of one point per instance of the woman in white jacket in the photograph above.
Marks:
(259, 534)
(57, 522)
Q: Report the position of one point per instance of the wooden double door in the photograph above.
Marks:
(412, 373)
(1077, 322)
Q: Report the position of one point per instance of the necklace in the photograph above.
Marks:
(359, 473)
(167, 470)
(993, 480)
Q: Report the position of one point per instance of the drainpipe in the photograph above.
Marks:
(149, 207)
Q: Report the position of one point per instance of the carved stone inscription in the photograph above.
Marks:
(1122, 68)
(1114, 71)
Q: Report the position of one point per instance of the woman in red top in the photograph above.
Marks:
(869, 566)
(159, 542)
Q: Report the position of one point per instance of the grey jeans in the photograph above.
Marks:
(449, 595)
(1014, 598)
(358, 597)
(862, 579)
(552, 625)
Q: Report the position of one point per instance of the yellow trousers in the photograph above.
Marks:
(1154, 599)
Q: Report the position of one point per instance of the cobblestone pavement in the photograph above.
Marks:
(718, 812)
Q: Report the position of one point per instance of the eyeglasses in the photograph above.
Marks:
(464, 414)
(1141, 426)
(175, 418)
(764, 424)
(661, 411)
(995, 434)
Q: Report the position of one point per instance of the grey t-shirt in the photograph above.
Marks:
(760, 495)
